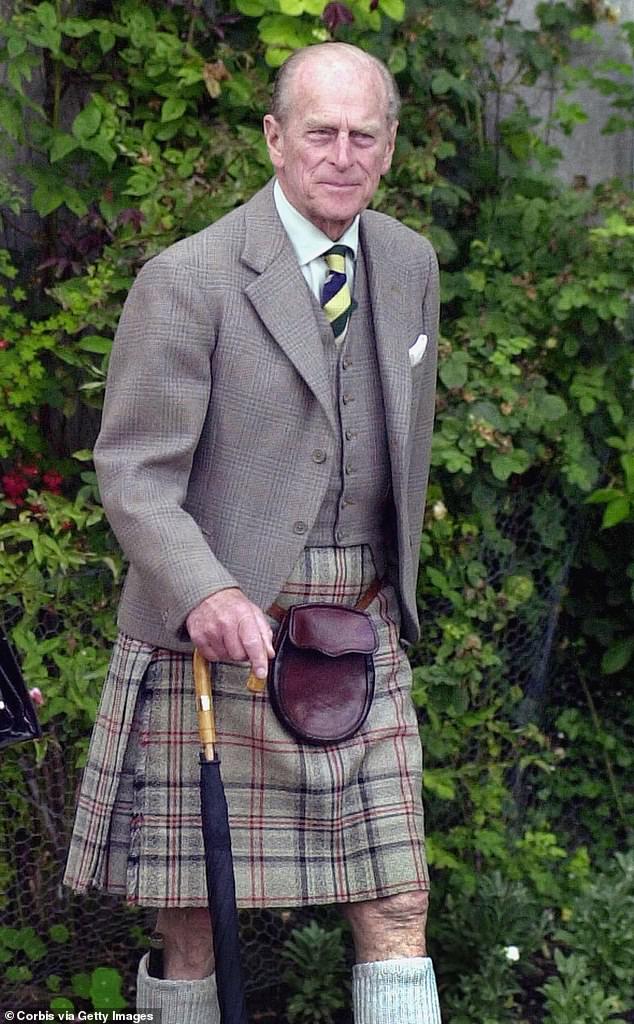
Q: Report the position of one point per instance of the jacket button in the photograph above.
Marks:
(319, 455)
(299, 526)
(340, 535)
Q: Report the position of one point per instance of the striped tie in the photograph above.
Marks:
(336, 301)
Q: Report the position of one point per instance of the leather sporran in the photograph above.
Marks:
(18, 721)
(321, 683)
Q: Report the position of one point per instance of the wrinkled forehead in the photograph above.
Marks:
(323, 81)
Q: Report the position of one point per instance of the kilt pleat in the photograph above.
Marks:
(309, 825)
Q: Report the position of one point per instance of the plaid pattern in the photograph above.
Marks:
(309, 825)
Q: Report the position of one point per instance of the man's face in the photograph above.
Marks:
(334, 144)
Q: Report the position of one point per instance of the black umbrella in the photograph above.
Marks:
(17, 716)
(221, 889)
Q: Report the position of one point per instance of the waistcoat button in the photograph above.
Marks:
(299, 527)
(347, 398)
(319, 455)
(350, 434)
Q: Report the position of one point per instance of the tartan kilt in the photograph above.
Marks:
(309, 825)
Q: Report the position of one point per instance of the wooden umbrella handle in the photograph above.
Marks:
(204, 705)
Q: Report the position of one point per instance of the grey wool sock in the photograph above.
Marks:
(401, 991)
(180, 1002)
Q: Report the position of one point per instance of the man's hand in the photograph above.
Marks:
(228, 627)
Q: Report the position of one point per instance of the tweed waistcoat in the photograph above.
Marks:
(358, 496)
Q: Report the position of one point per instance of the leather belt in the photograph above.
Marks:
(367, 597)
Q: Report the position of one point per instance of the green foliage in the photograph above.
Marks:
(575, 996)
(317, 974)
(600, 928)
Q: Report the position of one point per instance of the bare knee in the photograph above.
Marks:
(393, 926)
(188, 952)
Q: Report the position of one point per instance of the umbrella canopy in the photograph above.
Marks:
(18, 721)
(221, 888)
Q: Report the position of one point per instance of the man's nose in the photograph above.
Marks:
(342, 155)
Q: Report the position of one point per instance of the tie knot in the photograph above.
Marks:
(335, 258)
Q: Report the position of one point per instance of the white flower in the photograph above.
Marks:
(512, 954)
(439, 510)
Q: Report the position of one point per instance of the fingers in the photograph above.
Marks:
(228, 627)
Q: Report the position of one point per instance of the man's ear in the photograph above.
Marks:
(274, 140)
(389, 153)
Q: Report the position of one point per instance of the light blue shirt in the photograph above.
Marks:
(310, 243)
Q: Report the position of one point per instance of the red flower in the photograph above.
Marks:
(15, 486)
(52, 481)
(4, 343)
(29, 471)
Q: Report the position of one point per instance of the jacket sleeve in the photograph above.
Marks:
(157, 396)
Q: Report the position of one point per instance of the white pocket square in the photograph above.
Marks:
(417, 350)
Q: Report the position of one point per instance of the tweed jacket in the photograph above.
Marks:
(218, 410)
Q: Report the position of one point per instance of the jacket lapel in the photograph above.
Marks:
(281, 297)
(390, 296)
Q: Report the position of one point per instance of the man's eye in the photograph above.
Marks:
(320, 133)
(362, 138)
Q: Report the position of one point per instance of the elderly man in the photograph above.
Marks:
(265, 442)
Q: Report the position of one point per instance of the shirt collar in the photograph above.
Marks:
(307, 240)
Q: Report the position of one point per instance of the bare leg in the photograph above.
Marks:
(393, 979)
(187, 992)
(188, 952)
(393, 926)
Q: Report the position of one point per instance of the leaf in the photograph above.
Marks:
(59, 933)
(107, 39)
(616, 512)
(46, 15)
(77, 28)
(87, 122)
(62, 145)
(75, 202)
(395, 9)
(552, 407)
(46, 199)
(397, 61)
(603, 495)
(438, 782)
(441, 83)
(81, 985)
(503, 466)
(627, 461)
(95, 343)
(16, 45)
(617, 656)
(11, 117)
(102, 148)
(173, 108)
(252, 8)
(453, 371)
(276, 55)
(278, 30)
